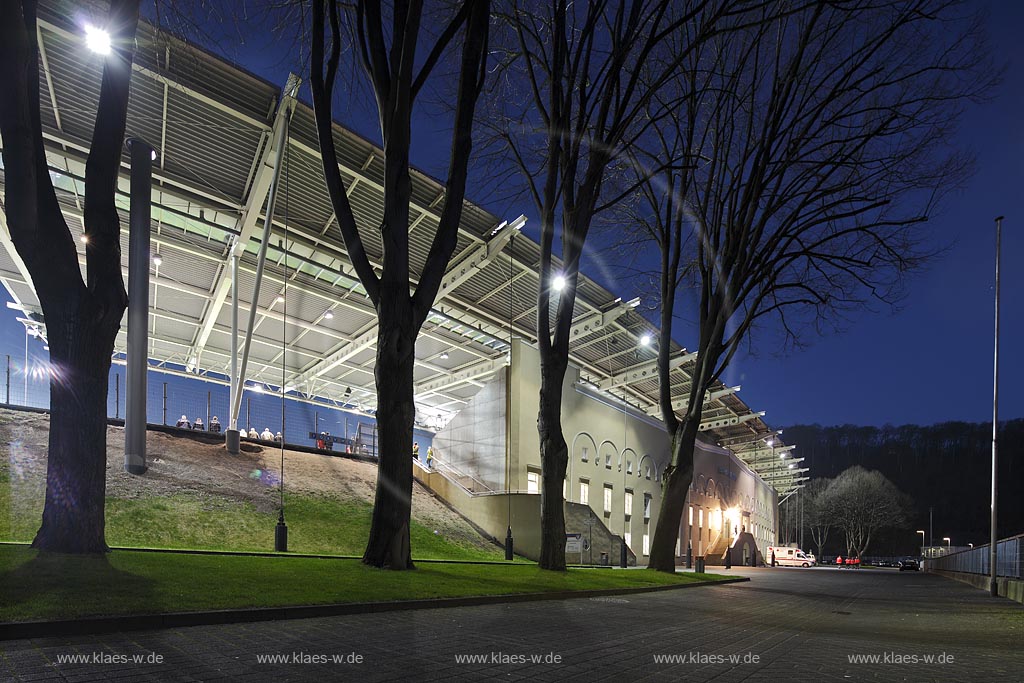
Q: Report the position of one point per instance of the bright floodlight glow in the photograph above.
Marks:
(97, 40)
(444, 355)
(280, 298)
(157, 259)
(84, 239)
(328, 315)
(558, 284)
(258, 388)
(645, 340)
(152, 155)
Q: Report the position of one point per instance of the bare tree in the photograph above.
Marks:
(862, 503)
(811, 147)
(82, 318)
(818, 512)
(584, 75)
(387, 50)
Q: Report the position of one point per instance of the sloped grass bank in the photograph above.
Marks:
(317, 525)
(49, 587)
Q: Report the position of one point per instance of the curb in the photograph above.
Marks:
(143, 622)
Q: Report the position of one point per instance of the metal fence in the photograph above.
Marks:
(1009, 559)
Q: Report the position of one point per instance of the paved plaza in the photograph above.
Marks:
(783, 625)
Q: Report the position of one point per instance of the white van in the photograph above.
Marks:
(788, 557)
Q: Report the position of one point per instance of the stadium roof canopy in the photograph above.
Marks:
(214, 126)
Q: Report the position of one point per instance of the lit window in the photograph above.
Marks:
(647, 543)
(584, 492)
(647, 506)
(565, 485)
(607, 498)
(700, 518)
(532, 481)
(628, 503)
(691, 516)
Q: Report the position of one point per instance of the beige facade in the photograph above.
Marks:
(617, 456)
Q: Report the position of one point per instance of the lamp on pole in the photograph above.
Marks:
(921, 531)
(946, 539)
(993, 537)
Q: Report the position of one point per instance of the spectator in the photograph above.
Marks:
(253, 434)
(184, 423)
(199, 424)
(267, 435)
(321, 441)
(278, 438)
(416, 450)
(215, 425)
(328, 441)
(430, 457)
(839, 561)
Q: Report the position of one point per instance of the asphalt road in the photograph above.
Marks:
(786, 624)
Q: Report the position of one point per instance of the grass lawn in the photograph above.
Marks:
(44, 586)
(317, 525)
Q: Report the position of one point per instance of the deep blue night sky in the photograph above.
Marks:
(930, 361)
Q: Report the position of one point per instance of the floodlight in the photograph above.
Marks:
(97, 40)
(558, 284)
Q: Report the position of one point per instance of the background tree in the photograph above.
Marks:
(387, 49)
(862, 503)
(582, 76)
(818, 513)
(82, 318)
(811, 148)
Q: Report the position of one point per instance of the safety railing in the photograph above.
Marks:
(1009, 559)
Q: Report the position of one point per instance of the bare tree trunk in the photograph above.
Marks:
(82, 318)
(388, 545)
(80, 344)
(673, 497)
(554, 456)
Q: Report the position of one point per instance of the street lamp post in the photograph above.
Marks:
(993, 537)
(946, 539)
(921, 531)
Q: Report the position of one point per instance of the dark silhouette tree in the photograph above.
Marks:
(810, 148)
(387, 51)
(581, 78)
(82, 318)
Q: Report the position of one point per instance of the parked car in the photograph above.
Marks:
(909, 565)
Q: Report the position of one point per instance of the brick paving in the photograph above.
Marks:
(800, 624)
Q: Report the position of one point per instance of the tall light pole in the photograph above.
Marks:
(921, 531)
(948, 541)
(993, 540)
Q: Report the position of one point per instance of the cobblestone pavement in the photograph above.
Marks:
(784, 625)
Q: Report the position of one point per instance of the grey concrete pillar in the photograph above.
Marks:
(138, 305)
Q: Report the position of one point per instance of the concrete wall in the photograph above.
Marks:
(1007, 587)
(617, 454)
(609, 447)
(725, 494)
